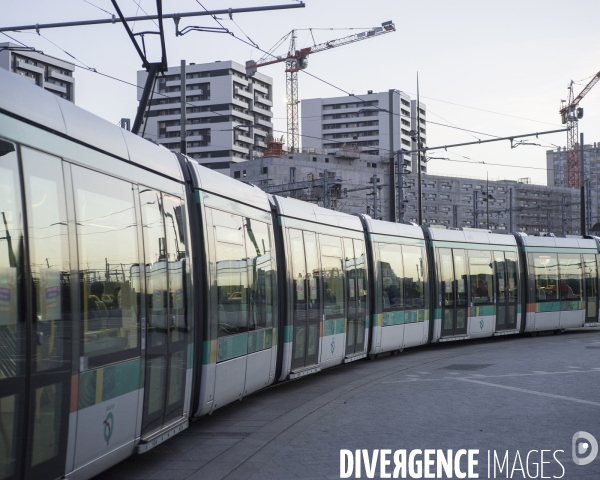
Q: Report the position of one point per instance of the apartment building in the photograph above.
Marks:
(228, 113)
(50, 73)
(375, 123)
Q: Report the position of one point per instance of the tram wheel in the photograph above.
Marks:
(372, 356)
(534, 334)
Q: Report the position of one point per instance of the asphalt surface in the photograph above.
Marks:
(506, 394)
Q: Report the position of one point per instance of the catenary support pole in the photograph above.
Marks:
(183, 148)
(375, 196)
(475, 219)
(400, 186)
(510, 210)
(582, 222)
(419, 147)
(564, 215)
(392, 169)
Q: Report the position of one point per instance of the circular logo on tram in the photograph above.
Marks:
(109, 423)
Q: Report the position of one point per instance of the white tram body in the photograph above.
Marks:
(139, 290)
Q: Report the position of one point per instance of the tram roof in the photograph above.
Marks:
(559, 242)
(291, 207)
(394, 229)
(34, 104)
(473, 235)
(214, 182)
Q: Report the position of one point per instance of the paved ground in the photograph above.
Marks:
(502, 394)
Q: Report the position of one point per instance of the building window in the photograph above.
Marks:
(236, 174)
(326, 160)
(314, 159)
(265, 170)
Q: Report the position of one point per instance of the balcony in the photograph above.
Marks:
(264, 123)
(240, 137)
(262, 111)
(55, 88)
(263, 100)
(28, 66)
(240, 103)
(260, 144)
(243, 93)
(262, 133)
(59, 76)
(260, 89)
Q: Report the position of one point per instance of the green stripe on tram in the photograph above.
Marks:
(404, 317)
(483, 310)
(334, 327)
(102, 384)
(234, 346)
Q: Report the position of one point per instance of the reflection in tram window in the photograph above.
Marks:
(262, 275)
(571, 276)
(11, 319)
(108, 266)
(46, 423)
(232, 274)
(481, 277)
(332, 276)
(591, 286)
(392, 276)
(512, 277)
(361, 276)
(49, 257)
(414, 286)
(546, 276)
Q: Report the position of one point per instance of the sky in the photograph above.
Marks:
(495, 67)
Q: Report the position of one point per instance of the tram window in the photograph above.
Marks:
(361, 275)
(332, 276)
(501, 283)
(49, 257)
(571, 276)
(545, 267)
(314, 285)
(262, 274)
(512, 277)
(12, 325)
(232, 274)
(298, 274)
(481, 277)
(108, 266)
(414, 285)
(392, 276)
(446, 275)
(460, 272)
(172, 211)
(591, 283)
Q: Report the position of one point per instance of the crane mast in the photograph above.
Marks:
(571, 113)
(296, 60)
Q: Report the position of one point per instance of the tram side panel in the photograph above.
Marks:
(327, 288)
(400, 295)
(239, 349)
(560, 295)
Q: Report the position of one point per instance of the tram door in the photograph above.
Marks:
(591, 288)
(166, 332)
(34, 381)
(356, 295)
(306, 297)
(453, 291)
(507, 292)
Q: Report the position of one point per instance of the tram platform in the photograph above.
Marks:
(501, 394)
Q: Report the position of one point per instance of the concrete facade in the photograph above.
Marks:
(228, 113)
(446, 200)
(376, 124)
(556, 163)
(50, 73)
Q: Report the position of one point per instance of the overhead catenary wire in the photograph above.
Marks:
(86, 67)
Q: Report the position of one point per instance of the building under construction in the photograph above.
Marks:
(355, 182)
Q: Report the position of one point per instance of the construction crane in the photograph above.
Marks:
(296, 60)
(571, 113)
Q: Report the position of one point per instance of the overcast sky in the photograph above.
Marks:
(496, 67)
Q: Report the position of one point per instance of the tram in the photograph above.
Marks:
(139, 290)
